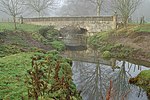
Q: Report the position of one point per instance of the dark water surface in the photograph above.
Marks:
(93, 80)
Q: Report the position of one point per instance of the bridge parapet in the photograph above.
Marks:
(92, 24)
(93, 18)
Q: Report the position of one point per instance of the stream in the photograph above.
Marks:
(95, 80)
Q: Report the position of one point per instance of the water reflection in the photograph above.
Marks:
(93, 80)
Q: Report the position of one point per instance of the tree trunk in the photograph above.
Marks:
(15, 24)
(98, 7)
(39, 14)
(125, 22)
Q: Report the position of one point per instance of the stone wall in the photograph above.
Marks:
(92, 24)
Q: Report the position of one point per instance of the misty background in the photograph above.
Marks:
(83, 8)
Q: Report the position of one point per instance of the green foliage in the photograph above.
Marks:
(12, 72)
(58, 45)
(142, 80)
(6, 50)
(144, 28)
(48, 73)
(92, 41)
(49, 33)
(101, 43)
(51, 77)
(145, 75)
(97, 40)
(106, 54)
(38, 37)
(133, 28)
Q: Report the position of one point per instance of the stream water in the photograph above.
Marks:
(94, 80)
(97, 79)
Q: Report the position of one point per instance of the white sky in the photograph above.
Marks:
(143, 10)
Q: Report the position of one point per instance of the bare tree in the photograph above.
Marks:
(98, 4)
(12, 8)
(76, 8)
(125, 8)
(40, 6)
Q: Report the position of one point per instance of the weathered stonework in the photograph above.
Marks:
(92, 24)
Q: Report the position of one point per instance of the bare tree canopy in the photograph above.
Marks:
(82, 7)
(98, 4)
(12, 8)
(76, 8)
(40, 6)
(125, 8)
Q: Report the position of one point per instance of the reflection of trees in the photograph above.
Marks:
(121, 87)
(89, 77)
(93, 80)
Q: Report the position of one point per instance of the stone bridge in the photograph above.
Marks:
(92, 24)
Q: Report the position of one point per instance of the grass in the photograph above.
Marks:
(12, 72)
(145, 74)
(58, 45)
(132, 28)
(142, 80)
(144, 28)
(24, 27)
(17, 76)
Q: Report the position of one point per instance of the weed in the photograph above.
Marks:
(50, 77)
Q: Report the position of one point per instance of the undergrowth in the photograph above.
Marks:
(109, 49)
(38, 76)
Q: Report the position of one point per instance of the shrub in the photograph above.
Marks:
(51, 78)
(58, 45)
(106, 54)
(49, 33)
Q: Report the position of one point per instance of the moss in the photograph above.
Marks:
(106, 54)
(142, 80)
(145, 75)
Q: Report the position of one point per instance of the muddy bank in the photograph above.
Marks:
(140, 42)
(134, 45)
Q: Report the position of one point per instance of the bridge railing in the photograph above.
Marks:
(93, 18)
(109, 21)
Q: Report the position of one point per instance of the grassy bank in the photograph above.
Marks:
(17, 78)
(28, 37)
(142, 80)
(130, 42)
(24, 27)
(12, 70)
(28, 71)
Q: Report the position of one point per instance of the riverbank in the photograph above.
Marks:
(28, 38)
(28, 70)
(142, 80)
(30, 75)
(130, 43)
